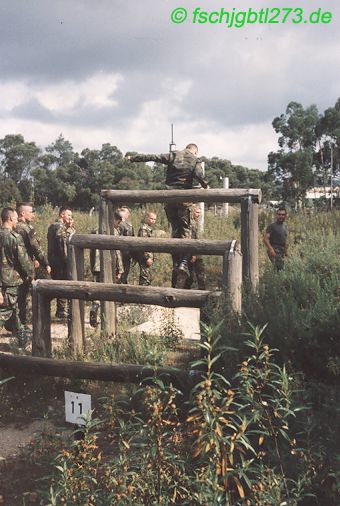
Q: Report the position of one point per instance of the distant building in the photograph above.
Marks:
(319, 192)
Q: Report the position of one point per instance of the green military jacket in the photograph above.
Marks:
(126, 229)
(57, 237)
(32, 243)
(15, 264)
(146, 231)
(183, 168)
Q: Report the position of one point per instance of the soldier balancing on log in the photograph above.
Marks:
(183, 167)
(26, 216)
(15, 268)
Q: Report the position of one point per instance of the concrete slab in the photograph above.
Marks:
(185, 320)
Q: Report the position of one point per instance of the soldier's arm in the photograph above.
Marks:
(51, 244)
(163, 158)
(37, 249)
(198, 174)
(25, 266)
(266, 241)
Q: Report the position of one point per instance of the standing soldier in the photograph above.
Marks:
(146, 258)
(15, 267)
(183, 167)
(126, 230)
(57, 236)
(26, 216)
(275, 239)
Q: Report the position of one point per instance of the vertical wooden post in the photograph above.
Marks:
(41, 319)
(249, 242)
(232, 276)
(77, 324)
(107, 308)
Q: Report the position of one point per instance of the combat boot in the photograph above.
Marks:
(94, 315)
(182, 273)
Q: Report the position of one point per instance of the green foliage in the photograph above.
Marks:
(227, 451)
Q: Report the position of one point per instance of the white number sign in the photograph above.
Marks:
(76, 407)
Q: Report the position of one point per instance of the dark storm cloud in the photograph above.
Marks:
(237, 77)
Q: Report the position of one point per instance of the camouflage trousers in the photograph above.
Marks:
(144, 274)
(196, 270)
(23, 293)
(126, 265)
(9, 315)
(179, 217)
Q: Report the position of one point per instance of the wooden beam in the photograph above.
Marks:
(77, 332)
(108, 310)
(157, 245)
(41, 320)
(132, 294)
(232, 276)
(233, 196)
(92, 371)
(249, 243)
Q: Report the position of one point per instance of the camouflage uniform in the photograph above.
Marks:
(145, 271)
(183, 167)
(197, 268)
(35, 252)
(15, 267)
(57, 236)
(126, 230)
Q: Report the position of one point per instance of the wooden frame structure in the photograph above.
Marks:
(108, 292)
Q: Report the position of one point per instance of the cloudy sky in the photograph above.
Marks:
(121, 71)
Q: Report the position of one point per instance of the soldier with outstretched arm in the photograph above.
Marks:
(183, 168)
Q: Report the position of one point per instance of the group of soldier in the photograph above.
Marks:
(21, 256)
(21, 253)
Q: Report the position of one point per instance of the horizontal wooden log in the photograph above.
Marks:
(92, 371)
(132, 294)
(164, 245)
(232, 196)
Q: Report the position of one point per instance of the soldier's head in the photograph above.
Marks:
(196, 212)
(65, 215)
(117, 219)
(26, 212)
(9, 217)
(281, 214)
(125, 212)
(193, 148)
(150, 218)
